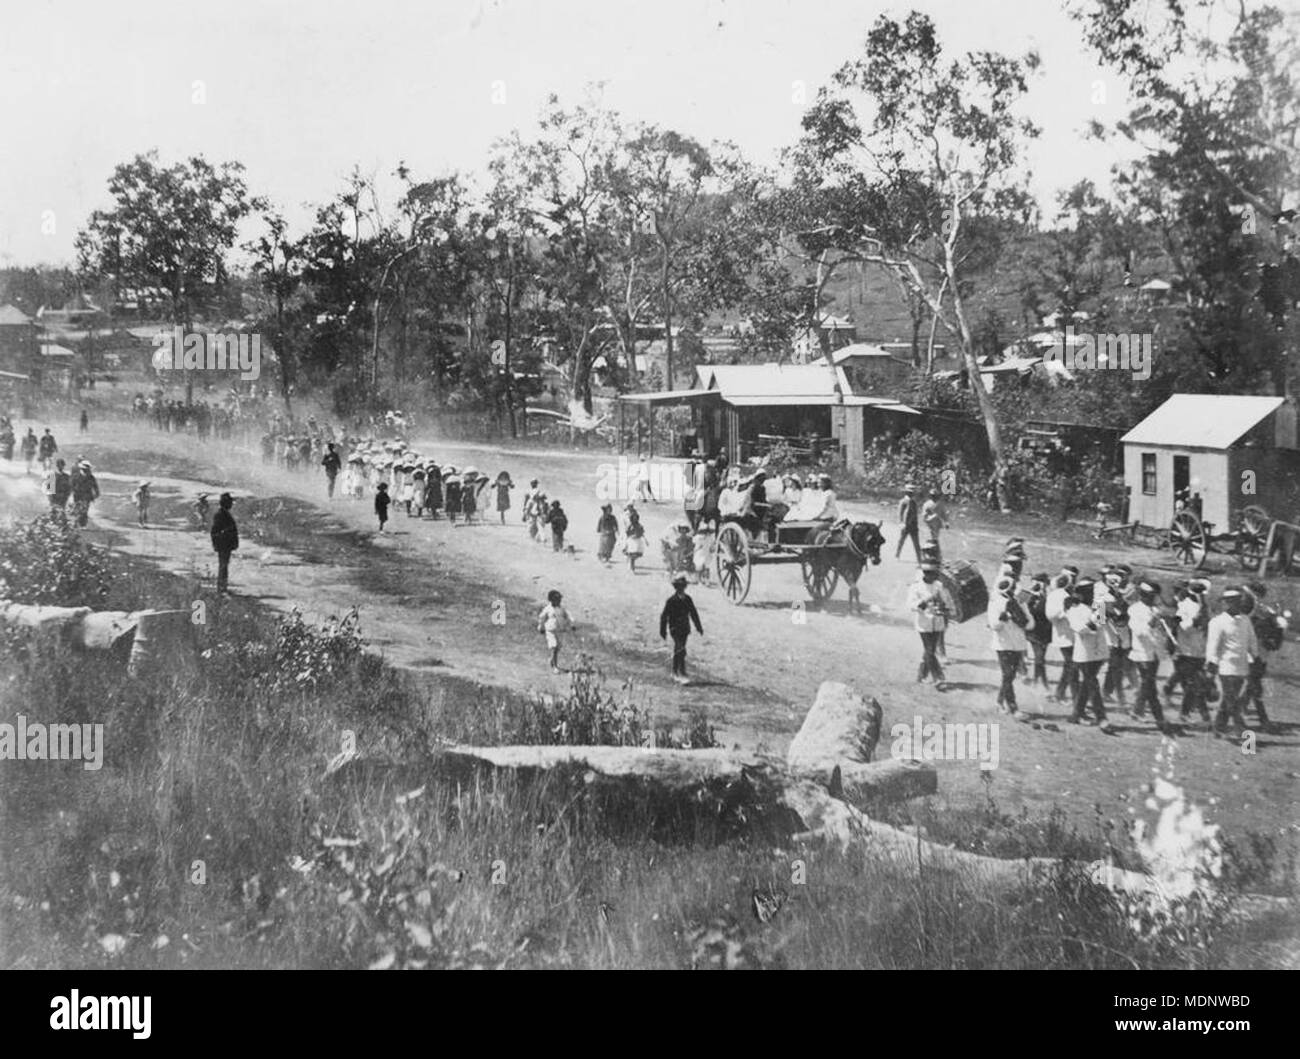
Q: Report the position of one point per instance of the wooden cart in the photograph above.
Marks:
(825, 551)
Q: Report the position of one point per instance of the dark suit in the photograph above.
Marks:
(225, 539)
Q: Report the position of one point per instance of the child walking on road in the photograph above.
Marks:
(559, 522)
(634, 547)
(382, 500)
(677, 616)
(141, 498)
(502, 487)
(553, 621)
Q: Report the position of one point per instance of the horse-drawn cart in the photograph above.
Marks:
(824, 550)
(1190, 538)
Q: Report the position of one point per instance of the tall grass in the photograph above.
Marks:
(214, 836)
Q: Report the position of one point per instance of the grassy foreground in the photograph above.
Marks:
(215, 836)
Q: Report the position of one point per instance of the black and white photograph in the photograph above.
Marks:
(704, 485)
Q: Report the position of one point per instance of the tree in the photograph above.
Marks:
(277, 264)
(170, 227)
(507, 263)
(657, 180)
(923, 184)
(1220, 180)
(562, 175)
(342, 261)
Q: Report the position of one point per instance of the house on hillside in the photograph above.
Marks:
(77, 312)
(19, 342)
(873, 369)
(1221, 452)
(831, 332)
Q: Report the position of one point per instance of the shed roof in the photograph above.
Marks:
(51, 349)
(11, 315)
(865, 350)
(820, 401)
(666, 396)
(1202, 420)
(773, 380)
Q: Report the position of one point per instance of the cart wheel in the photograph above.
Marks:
(734, 571)
(1187, 539)
(820, 574)
(1252, 535)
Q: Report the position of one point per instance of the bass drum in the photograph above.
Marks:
(963, 584)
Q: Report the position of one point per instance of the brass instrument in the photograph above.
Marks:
(1015, 611)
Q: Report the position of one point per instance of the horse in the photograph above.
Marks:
(862, 543)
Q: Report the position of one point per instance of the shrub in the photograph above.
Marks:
(922, 459)
(589, 715)
(47, 562)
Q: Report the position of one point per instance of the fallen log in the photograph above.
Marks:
(828, 818)
(55, 622)
(841, 728)
(685, 770)
(142, 634)
(672, 768)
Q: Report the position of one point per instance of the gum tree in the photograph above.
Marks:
(920, 156)
(1217, 110)
(171, 227)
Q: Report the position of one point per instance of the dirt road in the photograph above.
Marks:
(463, 600)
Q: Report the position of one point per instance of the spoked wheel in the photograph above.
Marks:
(820, 575)
(1252, 536)
(734, 570)
(1187, 539)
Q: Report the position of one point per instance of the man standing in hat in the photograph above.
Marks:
(1007, 620)
(908, 521)
(47, 448)
(1057, 604)
(676, 618)
(85, 491)
(1230, 647)
(1150, 643)
(934, 517)
(58, 487)
(925, 599)
(332, 464)
(225, 539)
(1090, 653)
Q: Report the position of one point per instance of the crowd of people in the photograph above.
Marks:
(60, 483)
(1120, 623)
(202, 418)
(1116, 635)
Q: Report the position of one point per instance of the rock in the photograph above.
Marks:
(842, 728)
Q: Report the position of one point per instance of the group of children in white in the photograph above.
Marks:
(1123, 623)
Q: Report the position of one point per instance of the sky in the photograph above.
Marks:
(301, 92)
